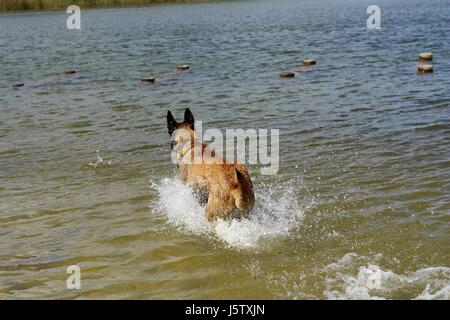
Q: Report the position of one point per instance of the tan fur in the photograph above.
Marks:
(226, 186)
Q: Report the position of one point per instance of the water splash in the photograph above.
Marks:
(180, 207)
(277, 213)
(99, 158)
(360, 277)
(100, 161)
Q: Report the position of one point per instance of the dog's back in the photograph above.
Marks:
(230, 191)
(226, 188)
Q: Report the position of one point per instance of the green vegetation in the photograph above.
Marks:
(12, 5)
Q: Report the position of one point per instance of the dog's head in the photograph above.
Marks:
(173, 125)
(181, 133)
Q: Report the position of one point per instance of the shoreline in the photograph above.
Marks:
(15, 6)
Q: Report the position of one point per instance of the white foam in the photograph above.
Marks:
(441, 294)
(100, 161)
(180, 207)
(370, 281)
(277, 212)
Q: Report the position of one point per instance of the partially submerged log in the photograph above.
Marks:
(309, 62)
(287, 74)
(425, 56)
(183, 67)
(148, 79)
(425, 68)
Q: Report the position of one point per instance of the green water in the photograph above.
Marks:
(359, 208)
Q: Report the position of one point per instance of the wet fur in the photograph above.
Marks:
(226, 188)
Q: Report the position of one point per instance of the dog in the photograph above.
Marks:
(226, 188)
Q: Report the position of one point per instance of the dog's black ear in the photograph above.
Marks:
(189, 117)
(171, 123)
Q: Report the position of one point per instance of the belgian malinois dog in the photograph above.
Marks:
(225, 188)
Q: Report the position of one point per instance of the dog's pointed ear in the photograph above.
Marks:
(189, 117)
(171, 123)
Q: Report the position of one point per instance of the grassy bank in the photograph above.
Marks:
(15, 5)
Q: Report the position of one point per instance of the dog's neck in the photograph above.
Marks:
(193, 147)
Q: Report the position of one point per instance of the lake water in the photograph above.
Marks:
(360, 207)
